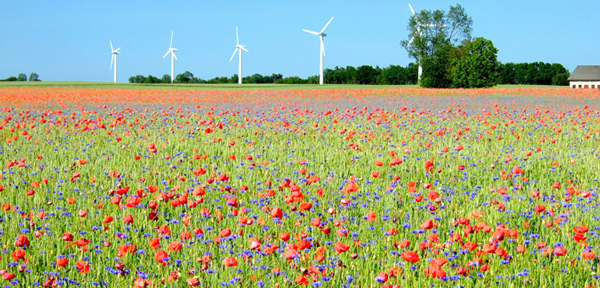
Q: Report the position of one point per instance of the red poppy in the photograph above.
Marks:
(411, 256)
(62, 262)
(83, 267)
(22, 241)
(230, 261)
(193, 281)
(175, 246)
(341, 247)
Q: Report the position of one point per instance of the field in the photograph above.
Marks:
(286, 187)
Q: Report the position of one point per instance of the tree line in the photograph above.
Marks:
(537, 73)
(23, 77)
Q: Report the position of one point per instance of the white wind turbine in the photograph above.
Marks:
(240, 48)
(114, 58)
(173, 58)
(322, 52)
(420, 34)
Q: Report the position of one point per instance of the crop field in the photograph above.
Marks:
(299, 188)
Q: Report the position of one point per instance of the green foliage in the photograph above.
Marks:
(476, 65)
(436, 68)
(166, 78)
(34, 77)
(561, 79)
(22, 77)
(433, 34)
(184, 77)
(536, 73)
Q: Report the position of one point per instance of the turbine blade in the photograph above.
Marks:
(175, 56)
(237, 36)
(167, 54)
(411, 9)
(171, 45)
(111, 47)
(244, 48)
(118, 49)
(111, 61)
(234, 51)
(311, 32)
(410, 42)
(326, 24)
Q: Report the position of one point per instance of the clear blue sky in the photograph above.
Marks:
(68, 40)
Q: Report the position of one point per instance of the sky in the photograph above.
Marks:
(69, 40)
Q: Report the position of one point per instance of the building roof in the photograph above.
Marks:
(586, 73)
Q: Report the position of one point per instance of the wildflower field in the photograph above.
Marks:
(317, 188)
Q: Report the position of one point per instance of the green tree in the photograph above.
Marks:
(437, 67)
(561, 79)
(34, 77)
(184, 77)
(22, 77)
(166, 78)
(478, 66)
(430, 31)
(366, 74)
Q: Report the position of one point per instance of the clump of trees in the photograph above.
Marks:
(441, 42)
(536, 73)
(23, 77)
(366, 74)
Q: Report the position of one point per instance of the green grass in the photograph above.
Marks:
(110, 85)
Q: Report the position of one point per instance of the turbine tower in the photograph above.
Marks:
(420, 34)
(322, 52)
(173, 58)
(240, 48)
(114, 58)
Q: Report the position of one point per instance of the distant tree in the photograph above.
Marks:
(561, 79)
(184, 77)
(34, 77)
(477, 66)
(11, 78)
(233, 79)
(22, 77)
(366, 74)
(166, 78)
(437, 67)
(437, 30)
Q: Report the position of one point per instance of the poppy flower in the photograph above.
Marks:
(381, 277)
(193, 282)
(341, 247)
(83, 267)
(62, 262)
(411, 256)
(22, 241)
(230, 261)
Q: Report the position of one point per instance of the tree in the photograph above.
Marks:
(477, 66)
(166, 78)
(34, 77)
(184, 77)
(366, 74)
(430, 31)
(22, 77)
(561, 79)
(437, 67)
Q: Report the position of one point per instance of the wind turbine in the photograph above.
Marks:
(322, 52)
(240, 48)
(420, 34)
(114, 58)
(173, 58)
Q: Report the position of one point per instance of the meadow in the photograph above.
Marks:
(349, 187)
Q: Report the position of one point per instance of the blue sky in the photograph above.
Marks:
(68, 40)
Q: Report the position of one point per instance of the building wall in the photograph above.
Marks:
(585, 84)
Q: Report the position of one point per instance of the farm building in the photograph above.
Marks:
(585, 76)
